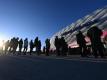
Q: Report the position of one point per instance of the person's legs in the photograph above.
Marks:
(25, 50)
(81, 51)
(85, 51)
(47, 52)
(30, 51)
(94, 50)
(101, 51)
(57, 51)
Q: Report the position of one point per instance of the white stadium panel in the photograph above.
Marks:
(95, 16)
(104, 15)
(100, 14)
(67, 28)
(72, 26)
(78, 22)
(83, 29)
(103, 25)
(97, 11)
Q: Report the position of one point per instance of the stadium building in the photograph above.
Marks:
(98, 18)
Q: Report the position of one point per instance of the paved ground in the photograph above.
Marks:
(51, 68)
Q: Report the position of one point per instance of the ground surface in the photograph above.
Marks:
(51, 68)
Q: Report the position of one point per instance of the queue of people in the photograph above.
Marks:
(21, 46)
(61, 46)
(94, 33)
(96, 48)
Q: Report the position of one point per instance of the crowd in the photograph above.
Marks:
(96, 48)
(20, 46)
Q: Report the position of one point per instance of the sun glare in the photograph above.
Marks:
(2, 40)
(1, 43)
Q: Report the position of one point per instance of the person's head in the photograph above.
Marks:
(56, 37)
(13, 37)
(31, 40)
(17, 38)
(48, 39)
(80, 32)
(62, 37)
(37, 37)
(26, 39)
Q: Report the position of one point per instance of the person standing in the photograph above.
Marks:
(57, 45)
(64, 46)
(82, 44)
(15, 45)
(47, 42)
(25, 46)
(31, 46)
(94, 33)
(20, 45)
(36, 43)
(39, 48)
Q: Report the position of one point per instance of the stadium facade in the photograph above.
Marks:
(98, 18)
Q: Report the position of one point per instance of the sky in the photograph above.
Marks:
(42, 18)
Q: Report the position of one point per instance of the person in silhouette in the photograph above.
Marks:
(20, 46)
(94, 33)
(47, 42)
(6, 47)
(11, 45)
(39, 48)
(31, 46)
(44, 50)
(15, 44)
(57, 45)
(25, 46)
(82, 44)
(36, 43)
(64, 47)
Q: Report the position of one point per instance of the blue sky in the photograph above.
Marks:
(43, 18)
